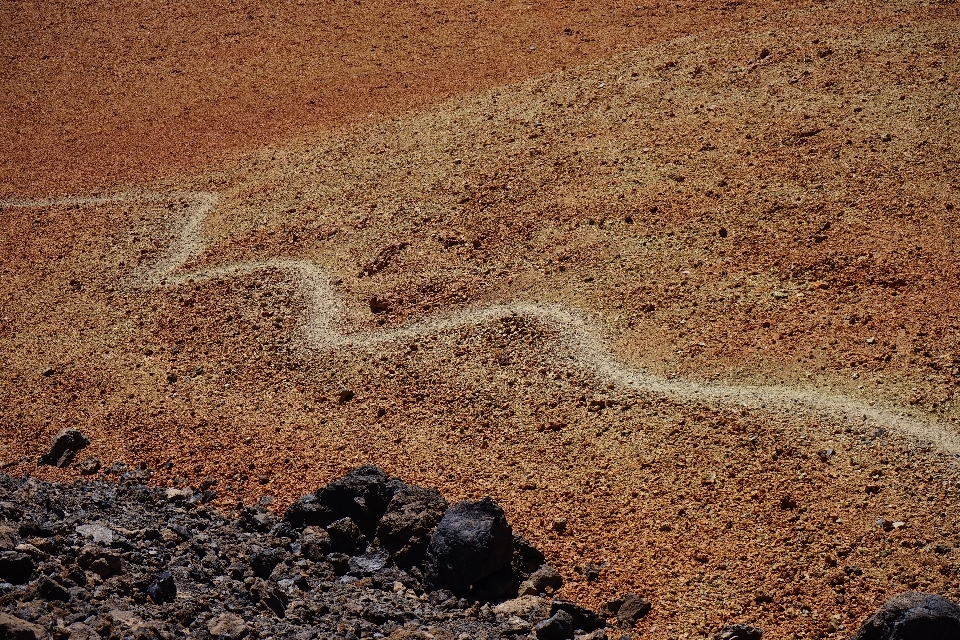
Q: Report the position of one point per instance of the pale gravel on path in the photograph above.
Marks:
(321, 328)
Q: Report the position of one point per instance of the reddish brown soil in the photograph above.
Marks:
(771, 203)
(103, 93)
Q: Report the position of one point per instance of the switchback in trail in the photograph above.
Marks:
(323, 327)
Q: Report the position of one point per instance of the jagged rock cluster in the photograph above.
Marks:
(366, 556)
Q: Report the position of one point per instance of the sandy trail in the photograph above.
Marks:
(322, 327)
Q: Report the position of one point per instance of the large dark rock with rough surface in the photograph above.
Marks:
(410, 520)
(65, 446)
(913, 616)
(15, 567)
(362, 495)
(472, 541)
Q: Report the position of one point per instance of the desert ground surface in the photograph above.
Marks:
(678, 288)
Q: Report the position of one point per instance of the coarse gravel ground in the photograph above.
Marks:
(766, 208)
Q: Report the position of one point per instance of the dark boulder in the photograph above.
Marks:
(583, 618)
(502, 584)
(408, 523)
(473, 540)
(65, 446)
(307, 511)
(315, 543)
(49, 589)
(270, 596)
(346, 537)
(263, 561)
(163, 588)
(15, 567)
(362, 495)
(913, 616)
(559, 626)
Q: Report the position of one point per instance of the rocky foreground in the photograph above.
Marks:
(366, 556)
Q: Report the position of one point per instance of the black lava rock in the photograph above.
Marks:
(163, 588)
(16, 567)
(262, 561)
(739, 632)
(51, 590)
(256, 519)
(526, 557)
(65, 446)
(408, 523)
(913, 616)
(557, 627)
(346, 537)
(270, 596)
(583, 618)
(472, 541)
(362, 495)
(315, 543)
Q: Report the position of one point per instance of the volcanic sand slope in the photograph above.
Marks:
(98, 93)
(766, 209)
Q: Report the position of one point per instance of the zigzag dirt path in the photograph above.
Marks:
(321, 328)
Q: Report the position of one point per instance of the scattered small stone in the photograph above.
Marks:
(89, 466)
(117, 467)
(739, 632)
(270, 596)
(163, 589)
(228, 626)
(583, 618)
(632, 609)
(50, 590)
(174, 494)
(379, 305)
(98, 533)
(103, 562)
(546, 577)
(344, 394)
(8, 538)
